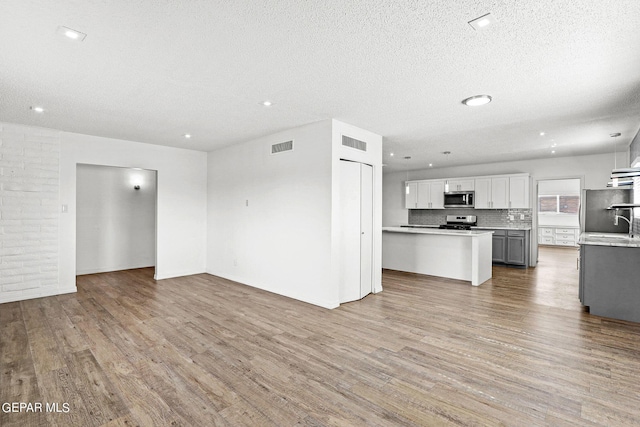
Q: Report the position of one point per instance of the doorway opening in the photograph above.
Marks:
(558, 207)
(115, 218)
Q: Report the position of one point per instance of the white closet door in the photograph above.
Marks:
(350, 231)
(356, 225)
(366, 230)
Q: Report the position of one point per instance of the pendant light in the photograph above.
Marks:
(615, 158)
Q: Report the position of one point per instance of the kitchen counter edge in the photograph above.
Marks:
(609, 239)
(473, 227)
(410, 230)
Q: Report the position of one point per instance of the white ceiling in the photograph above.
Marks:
(152, 71)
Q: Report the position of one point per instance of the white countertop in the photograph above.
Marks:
(609, 239)
(472, 227)
(502, 228)
(428, 230)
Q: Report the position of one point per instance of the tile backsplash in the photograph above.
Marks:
(486, 217)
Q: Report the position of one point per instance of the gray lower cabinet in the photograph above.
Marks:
(609, 283)
(499, 245)
(517, 247)
(510, 247)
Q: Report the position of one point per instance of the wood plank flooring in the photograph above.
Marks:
(126, 350)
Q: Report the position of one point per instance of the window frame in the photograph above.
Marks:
(557, 211)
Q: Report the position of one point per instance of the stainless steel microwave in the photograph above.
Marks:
(459, 199)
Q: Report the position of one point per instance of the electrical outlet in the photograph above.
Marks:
(510, 217)
(521, 216)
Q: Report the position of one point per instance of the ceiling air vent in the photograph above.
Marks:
(354, 143)
(282, 147)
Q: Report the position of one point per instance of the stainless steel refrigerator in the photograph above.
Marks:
(594, 215)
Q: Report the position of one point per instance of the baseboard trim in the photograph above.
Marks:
(176, 274)
(34, 293)
(109, 270)
(320, 303)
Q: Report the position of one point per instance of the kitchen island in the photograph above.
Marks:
(609, 273)
(455, 254)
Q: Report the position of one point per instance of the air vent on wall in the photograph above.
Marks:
(282, 147)
(354, 143)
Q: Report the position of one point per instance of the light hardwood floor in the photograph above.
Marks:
(518, 350)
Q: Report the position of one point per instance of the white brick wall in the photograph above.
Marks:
(29, 212)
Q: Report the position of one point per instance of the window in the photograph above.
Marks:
(559, 204)
(548, 204)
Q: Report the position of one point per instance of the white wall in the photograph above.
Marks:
(270, 216)
(115, 223)
(556, 220)
(594, 169)
(181, 199)
(29, 213)
(274, 219)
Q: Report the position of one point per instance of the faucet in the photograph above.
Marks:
(615, 221)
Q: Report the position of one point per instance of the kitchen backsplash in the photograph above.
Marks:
(486, 217)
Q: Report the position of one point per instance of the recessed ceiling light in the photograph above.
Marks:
(553, 151)
(266, 103)
(391, 154)
(477, 100)
(615, 135)
(430, 165)
(482, 22)
(37, 109)
(71, 33)
(187, 135)
(553, 145)
(541, 133)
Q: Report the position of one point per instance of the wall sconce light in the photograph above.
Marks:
(136, 187)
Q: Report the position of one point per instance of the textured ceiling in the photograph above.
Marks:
(152, 71)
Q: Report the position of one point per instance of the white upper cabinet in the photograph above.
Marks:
(411, 194)
(500, 193)
(491, 192)
(519, 192)
(424, 194)
(483, 193)
(497, 193)
(436, 196)
(460, 184)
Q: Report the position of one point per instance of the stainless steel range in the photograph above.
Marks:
(460, 222)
